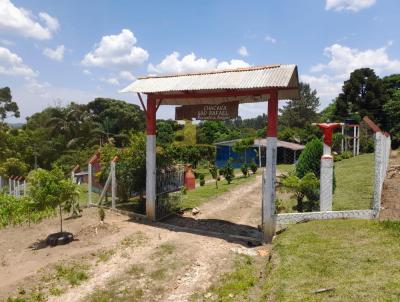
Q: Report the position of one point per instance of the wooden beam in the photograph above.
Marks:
(141, 102)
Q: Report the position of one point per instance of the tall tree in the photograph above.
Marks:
(363, 94)
(6, 104)
(392, 108)
(301, 113)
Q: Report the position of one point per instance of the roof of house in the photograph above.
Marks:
(262, 142)
(254, 80)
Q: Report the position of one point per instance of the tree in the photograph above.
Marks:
(301, 113)
(310, 159)
(363, 94)
(392, 108)
(13, 167)
(7, 105)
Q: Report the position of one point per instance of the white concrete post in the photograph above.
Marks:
(89, 184)
(24, 187)
(342, 147)
(113, 185)
(378, 171)
(358, 140)
(151, 193)
(354, 140)
(259, 156)
(9, 186)
(14, 187)
(269, 175)
(326, 182)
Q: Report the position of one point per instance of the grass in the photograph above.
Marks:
(359, 259)
(354, 183)
(74, 274)
(235, 285)
(194, 198)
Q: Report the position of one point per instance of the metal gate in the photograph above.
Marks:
(169, 192)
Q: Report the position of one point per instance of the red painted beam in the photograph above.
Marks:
(272, 127)
(151, 115)
(219, 94)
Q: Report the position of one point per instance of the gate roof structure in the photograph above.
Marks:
(245, 85)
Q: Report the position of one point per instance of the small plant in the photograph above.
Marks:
(279, 205)
(346, 154)
(228, 172)
(102, 214)
(201, 179)
(245, 170)
(337, 158)
(214, 173)
(253, 167)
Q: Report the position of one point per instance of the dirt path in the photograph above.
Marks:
(391, 190)
(153, 263)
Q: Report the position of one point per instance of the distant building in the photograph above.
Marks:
(288, 153)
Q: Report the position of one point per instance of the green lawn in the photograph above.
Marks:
(354, 183)
(359, 259)
(196, 197)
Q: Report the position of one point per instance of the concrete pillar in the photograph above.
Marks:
(259, 156)
(326, 183)
(89, 184)
(9, 186)
(151, 158)
(24, 187)
(354, 140)
(358, 140)
(342, 146)
(269, 175)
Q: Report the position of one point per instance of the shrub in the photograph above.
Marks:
(310, 159)
(337, 158)
(13, 167)
(347, 154)
(214, 173)
(253, 167)
(228, 172)
(307, 186)
(102, 214)
(202, 182)
(245, 170)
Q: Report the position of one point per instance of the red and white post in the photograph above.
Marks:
(269, 176)
(151, 158)
(326, 181)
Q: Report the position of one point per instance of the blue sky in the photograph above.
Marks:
(53, 52)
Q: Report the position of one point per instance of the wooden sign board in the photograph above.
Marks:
(218, 112)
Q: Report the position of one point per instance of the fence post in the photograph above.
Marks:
(378, 171)
(113, 183)
(89, 184)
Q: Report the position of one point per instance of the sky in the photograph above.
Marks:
(54, 52)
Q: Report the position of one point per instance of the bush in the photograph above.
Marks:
(202, 182)
(310, 159)
(337, 157)
(228, 172)
(245, 170)
(102, 214)
(347, 154)
(253, 167)
(13, 167)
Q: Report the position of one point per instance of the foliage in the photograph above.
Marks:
(15, 211)
(301, 113)
(241, 146)
(50, 189)
(307, 186)
(310, 159)
(214, 173)
(186, 135)
(7, 105)
(392, 111)
(228, 171)
(362, 94)
(215, 131)
(245, 170)
(102, 214)
(253, 167)
(13, 167)
(191, 154)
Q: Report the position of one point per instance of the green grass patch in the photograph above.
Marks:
(196, 197)
(354, 183)
(116, 294)
(134, 240)
(234, 285)
(358, 258)
(74, 274)
(104, 256)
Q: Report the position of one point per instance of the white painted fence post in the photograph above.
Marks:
(151, 158)
(89, 184)
(379, 154)
(113, 183)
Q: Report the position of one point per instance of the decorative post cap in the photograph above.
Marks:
(327, 128)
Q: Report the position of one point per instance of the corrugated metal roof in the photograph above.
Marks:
(262, 77)
(262, 142)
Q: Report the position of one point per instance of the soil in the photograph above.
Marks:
(391, 190)
(175, 262)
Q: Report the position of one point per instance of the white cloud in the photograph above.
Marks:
(270, 39)
(116, 79)
(327, 78)
(6, 42)
(87, 72)
(243, 51)
(172, 64)
(352, 5)
(23, 22)
(344, 60)
(116, 51)
(56, 54)
(12, 64)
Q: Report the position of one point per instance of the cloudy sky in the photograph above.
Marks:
(54, 52)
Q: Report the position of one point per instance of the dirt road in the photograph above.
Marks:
(391, 190)
(132, 260)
